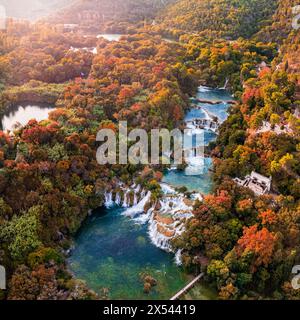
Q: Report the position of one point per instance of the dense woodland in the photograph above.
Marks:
(228, 18)
(49, 177)
(249, 244)
(100, 14)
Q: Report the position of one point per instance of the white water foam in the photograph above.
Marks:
(139, 207)
(178, 257)
(204, 89)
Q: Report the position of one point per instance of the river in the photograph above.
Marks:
(116, 246)
(22, 113)
(110, 37)
(202, 182)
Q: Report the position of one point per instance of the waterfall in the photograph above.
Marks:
(108, 199)
(197, 196)
(139, 207)
(136, 193)
(178, 257)
(118, 199)
(204, 89)
(126, 199)
(195, 165)
(165, 223)
(166, 219)
(166, 189)
(143, 218)
(172, 216)
(225, 85)
(157, 238)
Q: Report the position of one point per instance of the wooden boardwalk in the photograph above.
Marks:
(187, 287)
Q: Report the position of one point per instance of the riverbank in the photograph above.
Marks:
(33, 91)
(21, 113)
(106, 258)
(113, 253)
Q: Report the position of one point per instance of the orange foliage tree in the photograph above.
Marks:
(259, 242)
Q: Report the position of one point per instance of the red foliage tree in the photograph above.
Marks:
(260, 242)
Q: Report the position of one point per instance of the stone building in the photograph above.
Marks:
(256, 182)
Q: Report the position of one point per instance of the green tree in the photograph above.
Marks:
(22, 234)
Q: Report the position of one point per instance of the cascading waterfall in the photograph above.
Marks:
(204, 89)
(172, 205)
(108, 199)
(138, 208)
(225, 85)
(195, 165)
(166, 189)
(136, 194)
(166, 219)
(132, 244)
(157, 238)
(126, 200)
(178, 257)
(118, 199)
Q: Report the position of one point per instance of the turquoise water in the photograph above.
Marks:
(202, 183)
(220, 110)
(112, 251)
(195, 113)
(214, 94)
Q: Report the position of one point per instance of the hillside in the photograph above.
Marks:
(281, 32)
(251, 242)
(230, 18)
(281, 25)
(101, 11)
